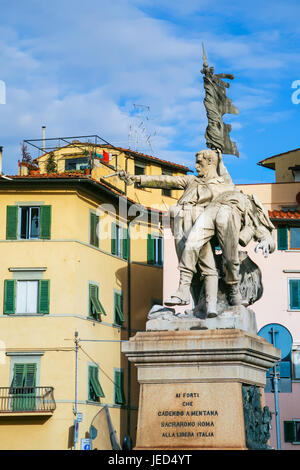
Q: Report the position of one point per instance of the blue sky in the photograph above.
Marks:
(80, 67)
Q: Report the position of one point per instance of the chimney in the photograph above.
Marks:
(1, 148)
(44, 138)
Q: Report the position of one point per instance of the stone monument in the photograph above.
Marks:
(202, 373)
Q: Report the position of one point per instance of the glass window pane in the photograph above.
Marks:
(295, 237)
(296, 363)
(139, 169)
(76, 163)
(34, 222)
(297, 424)
(24, 217)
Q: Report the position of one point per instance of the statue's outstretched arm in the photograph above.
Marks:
(156, 181)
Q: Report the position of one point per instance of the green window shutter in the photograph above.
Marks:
(294, 293)
(125, 243)
(94, 299)
(289, 431)
(9, 296)
(92, 228)
(94, 384)
(282, 237)
(30, 375)
(12, 222)
(19, 375)
(113, 238)
(118, 303)
(45, 222)
(160, 251)
(150, 250)
(44, 298)
(23, 385)
(94, 221)
(119, 387)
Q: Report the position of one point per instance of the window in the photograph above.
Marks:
(95, 307)
(155, 250)
(294, 294)
(29, 218)
(94, 388)
(288, 237)
(23, 387)
(28, 222)
(139, 169)
(94, 229)
(119, 387)
(166, 192)
(119, 241)
(292, 431)
(296, 365)
(76, 163)
(26, 297)
(118, 309)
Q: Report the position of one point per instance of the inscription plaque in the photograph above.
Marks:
(191, 415)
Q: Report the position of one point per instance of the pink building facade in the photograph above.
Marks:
(280, 302)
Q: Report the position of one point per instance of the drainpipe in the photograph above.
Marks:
(76, 340)
(128, 324)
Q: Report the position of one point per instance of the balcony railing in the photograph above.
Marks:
(27, 399)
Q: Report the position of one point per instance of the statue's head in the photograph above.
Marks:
(206, 161)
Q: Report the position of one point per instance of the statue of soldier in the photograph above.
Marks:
(213, 179)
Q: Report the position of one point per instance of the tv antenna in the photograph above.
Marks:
(139, 133)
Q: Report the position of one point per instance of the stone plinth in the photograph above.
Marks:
(191, 386)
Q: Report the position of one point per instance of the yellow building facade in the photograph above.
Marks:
(78, 276)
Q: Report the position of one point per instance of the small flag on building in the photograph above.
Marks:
(105, 156)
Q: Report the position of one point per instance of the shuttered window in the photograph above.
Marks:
(94, 229)
(12, 222)
(114, 238)
(119, 387)
(294, 294)
(26, 297)
(125, 244)
(118, 307)
(154, 250)
(26, 222)
(119, 241)
(94, 388)
(292, 431)
(23, 387)
(44, 297)
(45, 232)
(96, 308)
(282, 237)
(288, 237)
(9, 296)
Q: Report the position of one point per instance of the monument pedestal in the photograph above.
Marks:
(196, 388)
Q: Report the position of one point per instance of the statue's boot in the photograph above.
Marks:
(211, 295)
(234, 295)
(182, 295)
